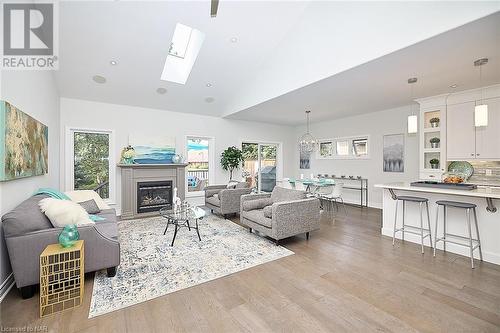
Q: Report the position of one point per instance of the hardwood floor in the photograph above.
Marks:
(347, 277)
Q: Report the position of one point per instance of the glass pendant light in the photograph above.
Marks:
(412, 119)
(481, 109)
(307, 143)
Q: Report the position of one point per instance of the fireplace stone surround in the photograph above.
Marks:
(133, 174)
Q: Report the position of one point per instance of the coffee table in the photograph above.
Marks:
(181, 219)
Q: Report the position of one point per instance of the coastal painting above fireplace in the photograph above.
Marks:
(153, 150)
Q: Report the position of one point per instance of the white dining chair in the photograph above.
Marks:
(337, 195)
(286, 183)
(321, 194)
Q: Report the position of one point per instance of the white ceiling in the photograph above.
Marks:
(282, 46)
(438, 63)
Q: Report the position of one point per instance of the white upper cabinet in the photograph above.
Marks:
(460, 132)
(488, 137)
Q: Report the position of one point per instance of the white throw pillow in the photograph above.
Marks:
(232, 184)
(86, 195)
(64, 212)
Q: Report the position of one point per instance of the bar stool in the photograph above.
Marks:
(468, 207)
(416, 230)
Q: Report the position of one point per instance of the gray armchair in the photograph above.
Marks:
(223, 200)
(280, 214)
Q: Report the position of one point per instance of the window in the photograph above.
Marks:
(360, 147)
(344, 148)
(90, 165)
(200, 159)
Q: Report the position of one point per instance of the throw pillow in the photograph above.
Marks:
(256, 204)
(85, 195)
(90, 206)
(64, 212)
(232, 184)
(268, 212)
(242, 185)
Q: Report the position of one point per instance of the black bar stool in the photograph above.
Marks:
(471, 242)
(413, 230)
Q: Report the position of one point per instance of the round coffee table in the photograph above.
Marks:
(181, 218)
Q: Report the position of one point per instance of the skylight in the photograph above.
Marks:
(184, 48)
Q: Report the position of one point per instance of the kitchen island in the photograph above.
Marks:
(486, 198)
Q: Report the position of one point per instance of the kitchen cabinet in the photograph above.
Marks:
(467, 142)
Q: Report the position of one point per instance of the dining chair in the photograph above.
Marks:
(336, 194)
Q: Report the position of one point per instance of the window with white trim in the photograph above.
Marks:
(90, 163)
(354, 147)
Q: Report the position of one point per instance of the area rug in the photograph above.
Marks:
(151, 268)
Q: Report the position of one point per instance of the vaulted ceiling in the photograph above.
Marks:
(268, 61)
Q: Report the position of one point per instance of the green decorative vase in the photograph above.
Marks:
(69, 235)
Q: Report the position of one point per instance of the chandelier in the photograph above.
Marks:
(307, 143)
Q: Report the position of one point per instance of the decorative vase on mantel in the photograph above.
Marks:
(127, 155)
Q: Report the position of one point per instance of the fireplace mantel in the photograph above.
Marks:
(132, 174)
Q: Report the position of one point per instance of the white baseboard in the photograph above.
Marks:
(493, 258)
(6, 286)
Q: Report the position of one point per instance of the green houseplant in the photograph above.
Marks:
(434, 122)
(231, 159)
(434, 163)
(434, 142)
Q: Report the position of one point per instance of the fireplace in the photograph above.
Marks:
(153, 196)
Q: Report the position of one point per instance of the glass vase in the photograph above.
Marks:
(69, 235)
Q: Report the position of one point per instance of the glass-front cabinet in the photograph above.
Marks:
(432, 135)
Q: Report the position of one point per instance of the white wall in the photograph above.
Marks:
(35, 93)
(128, 119)
(376, 125)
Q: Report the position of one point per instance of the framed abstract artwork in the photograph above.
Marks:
(24, 144)
(394, 153)
(153, 149)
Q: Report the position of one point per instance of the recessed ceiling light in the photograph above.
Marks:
(113, 62)
(209, 85)
(233, 40)
(454, 86)
(161, 91)
(209, 99)
(99, 79)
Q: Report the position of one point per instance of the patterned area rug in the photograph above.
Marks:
(151, 268)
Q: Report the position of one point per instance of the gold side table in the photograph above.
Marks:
(61, 278)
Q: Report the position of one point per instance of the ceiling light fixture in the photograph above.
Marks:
(453, 86)
(161, 91)
(307, 143)
(481, 109)
(99, 79)
(412, 119)
(209, 85)
(233, 40)
(113, 62)
(209, 99)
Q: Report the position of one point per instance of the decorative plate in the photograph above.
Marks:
(461, 167)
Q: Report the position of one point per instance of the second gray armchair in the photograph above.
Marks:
(224, 200)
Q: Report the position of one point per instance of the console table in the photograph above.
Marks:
(362, 187)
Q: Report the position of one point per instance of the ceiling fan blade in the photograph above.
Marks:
(213, 8)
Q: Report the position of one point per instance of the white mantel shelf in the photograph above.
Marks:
(171, 165)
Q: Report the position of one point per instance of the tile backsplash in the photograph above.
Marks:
(480, 170)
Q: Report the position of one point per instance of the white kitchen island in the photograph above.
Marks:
(486, 198)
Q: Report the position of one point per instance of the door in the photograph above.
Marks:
(487, 137)
(460, 142)
(260, 165)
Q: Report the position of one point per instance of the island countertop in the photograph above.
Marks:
(480, 192)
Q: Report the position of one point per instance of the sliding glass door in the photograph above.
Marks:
(260, 165)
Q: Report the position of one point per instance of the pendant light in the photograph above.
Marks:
(307, 143)
(412, 119)
(481, 109)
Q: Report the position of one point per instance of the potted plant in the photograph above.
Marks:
(231, 159)
(434, 142)
(434, 163)
(434, 122)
